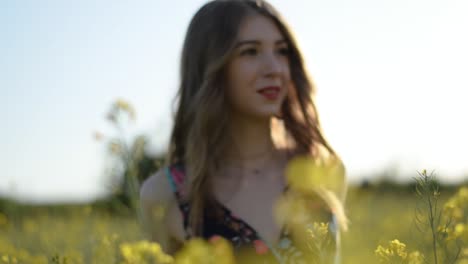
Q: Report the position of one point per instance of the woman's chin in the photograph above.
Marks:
(259, 113)
(267, 113)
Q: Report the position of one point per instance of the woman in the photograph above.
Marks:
(244, 111)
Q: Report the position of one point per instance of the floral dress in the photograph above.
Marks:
(249, 247)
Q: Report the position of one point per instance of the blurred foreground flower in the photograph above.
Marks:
(306, 174)
(318, 185)
(143, 252)
(309, 222)
(453, 233)
(195, 251)
(199, 251)
(456, 208)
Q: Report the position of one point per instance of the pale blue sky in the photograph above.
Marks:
(391, 78)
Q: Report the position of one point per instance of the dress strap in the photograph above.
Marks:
(176, 177)
(171, 179)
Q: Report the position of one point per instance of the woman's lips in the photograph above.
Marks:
(270, 93)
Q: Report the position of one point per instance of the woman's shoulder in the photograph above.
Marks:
(163, 226)
(157, 189)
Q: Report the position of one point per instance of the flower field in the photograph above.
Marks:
(384, 228)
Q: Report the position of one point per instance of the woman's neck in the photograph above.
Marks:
(251, 142)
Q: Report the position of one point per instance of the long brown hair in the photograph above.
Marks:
(198, 137)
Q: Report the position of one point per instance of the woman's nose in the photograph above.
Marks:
(273, 64)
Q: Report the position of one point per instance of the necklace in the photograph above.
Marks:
(260, 167)
(257, 174)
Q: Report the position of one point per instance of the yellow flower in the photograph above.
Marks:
(121, 107)
(459, 230)
(125, 106)
(455, 214)
(396, 253)
(115, 148)
(321, 228)
(306, 174)
(195, 251)
(399, 248)
(292, 209)
(126, 251)
(144, 252)
(218, 251)
(464, 253)
(383, 252)
(223, 251)
(415, 257)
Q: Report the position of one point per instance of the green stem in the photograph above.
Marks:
(431, 220)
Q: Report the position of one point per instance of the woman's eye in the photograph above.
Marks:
(250, 52)
(284, 51)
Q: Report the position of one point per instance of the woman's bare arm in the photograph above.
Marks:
(159, 212)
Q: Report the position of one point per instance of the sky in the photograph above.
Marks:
(391, 80)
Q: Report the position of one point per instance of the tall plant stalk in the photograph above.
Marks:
(427, 189)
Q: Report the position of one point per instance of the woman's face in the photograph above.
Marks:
(258, 74)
